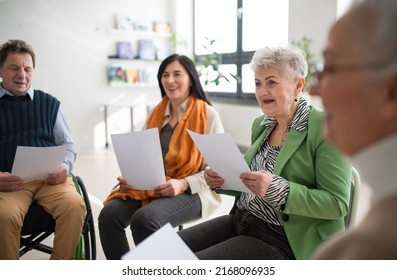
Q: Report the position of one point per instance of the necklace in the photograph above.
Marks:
(284, 135)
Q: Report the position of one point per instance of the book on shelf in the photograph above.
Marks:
(124, 22)
(124, 50)
(116, 74)
(131, 76)
(146, 49)
(122, 75)
(142, 75)
(161, 26)
(143, 25)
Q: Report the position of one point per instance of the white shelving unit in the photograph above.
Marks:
(136, 72)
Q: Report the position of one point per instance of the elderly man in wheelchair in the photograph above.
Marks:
(31, 117)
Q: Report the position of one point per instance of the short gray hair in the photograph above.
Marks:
(375, 22)
(291, 60)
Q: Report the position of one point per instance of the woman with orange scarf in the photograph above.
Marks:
(184, 196)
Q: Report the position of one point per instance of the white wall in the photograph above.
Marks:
(312, 19)
(72, 42)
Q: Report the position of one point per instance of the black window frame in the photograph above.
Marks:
(238, 58)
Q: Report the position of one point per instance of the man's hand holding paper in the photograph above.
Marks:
(26, 167)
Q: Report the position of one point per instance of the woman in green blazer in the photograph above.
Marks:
(299, 184)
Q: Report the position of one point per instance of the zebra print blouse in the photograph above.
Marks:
(265, 159)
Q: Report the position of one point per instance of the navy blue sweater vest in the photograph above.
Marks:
(24, 122)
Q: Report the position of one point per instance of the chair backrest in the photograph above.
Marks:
(350, 219)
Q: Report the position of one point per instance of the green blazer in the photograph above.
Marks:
(319, 178)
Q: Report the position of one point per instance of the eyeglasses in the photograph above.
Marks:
(319, 70)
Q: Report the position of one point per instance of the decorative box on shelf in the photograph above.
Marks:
(140, 46)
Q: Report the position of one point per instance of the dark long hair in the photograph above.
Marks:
(196, 90)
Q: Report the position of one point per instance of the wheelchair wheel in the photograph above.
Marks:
(86, 249)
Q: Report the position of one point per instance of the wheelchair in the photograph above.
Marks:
(38, 225)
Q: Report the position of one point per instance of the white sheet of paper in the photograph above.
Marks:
(164, 244)
(221, 153)
(36, 163)
(139, 156)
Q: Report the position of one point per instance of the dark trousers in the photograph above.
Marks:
(118, 214)
(240, 236)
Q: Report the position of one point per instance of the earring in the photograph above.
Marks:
(296, 99)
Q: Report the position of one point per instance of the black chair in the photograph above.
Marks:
(38, 225)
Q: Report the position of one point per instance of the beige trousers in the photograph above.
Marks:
(62, 201)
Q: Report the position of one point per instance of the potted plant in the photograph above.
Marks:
(208, 65)
(304, 44)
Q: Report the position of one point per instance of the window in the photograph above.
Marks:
(237, 28)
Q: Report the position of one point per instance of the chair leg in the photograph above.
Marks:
(34, 242)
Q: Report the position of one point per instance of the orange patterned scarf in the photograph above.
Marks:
(183, 157)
